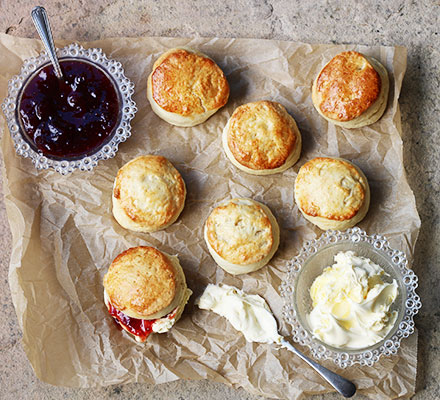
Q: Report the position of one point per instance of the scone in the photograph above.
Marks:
(186, 87)
(148, 194)
(332, 193)
(242, 235)
(261, 138)
(351, 90)
(145, 291)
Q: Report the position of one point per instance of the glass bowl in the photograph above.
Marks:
(121, 132)
(310, 262)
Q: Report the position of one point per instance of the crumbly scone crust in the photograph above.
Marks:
(347, 86)
(330, 188)
(142, 280)
(261, 135)
(240, 232)
(150, 192)
(187, 83)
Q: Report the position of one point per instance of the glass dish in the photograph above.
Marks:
(121, 132)
(310, 262)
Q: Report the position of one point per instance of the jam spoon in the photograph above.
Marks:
(41, 22)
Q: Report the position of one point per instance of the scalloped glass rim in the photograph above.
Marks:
(391, 343)
(122, 131)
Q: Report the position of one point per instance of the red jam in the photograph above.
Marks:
(138, 327)
(69, 117)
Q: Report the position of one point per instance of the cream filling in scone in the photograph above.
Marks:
(160, 325)
(290, 161)
(234, 268)
(373, 113)
(176, 118)
(163, 320)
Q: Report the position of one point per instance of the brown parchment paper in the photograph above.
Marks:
(64, 235)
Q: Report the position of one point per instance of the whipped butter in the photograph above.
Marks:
(351, 303)
(247, 313)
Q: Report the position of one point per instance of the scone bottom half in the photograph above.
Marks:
(186, 87)
(145, 291)
(148, 194)
(242, 235)
(351, 90)
(332, 193)
(261, 138)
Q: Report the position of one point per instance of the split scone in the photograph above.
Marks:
(186, 87)
(351, 90)
(148, 194)
(242, 235)
(145, 291)
(261, 138)
(332, 193)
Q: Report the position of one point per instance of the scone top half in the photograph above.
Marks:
(351, 90)
(186, 87)
(332, 193)
(145, 283)
(148, 194)
(242, 235)
(261, 138)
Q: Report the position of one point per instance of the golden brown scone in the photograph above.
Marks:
(332, 193)
(351, 90)
(148, 194)
(141, 282)
(145, 283)
(242, 235)
(145, 291)
(261, 138)
(186, 87)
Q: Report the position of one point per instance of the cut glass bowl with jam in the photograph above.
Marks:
(73, 122)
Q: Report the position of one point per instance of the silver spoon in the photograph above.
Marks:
(342, 385)
(265, 322)
(41, 22)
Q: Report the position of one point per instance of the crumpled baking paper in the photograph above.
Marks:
(64, 235)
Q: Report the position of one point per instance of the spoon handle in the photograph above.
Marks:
(41, 22)
(342, 385)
